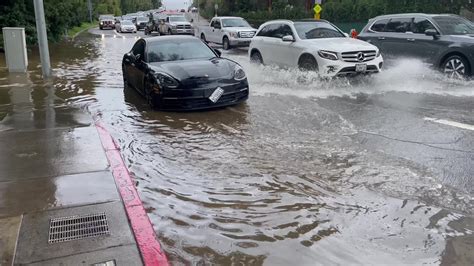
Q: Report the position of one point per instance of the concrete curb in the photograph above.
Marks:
(145, 236)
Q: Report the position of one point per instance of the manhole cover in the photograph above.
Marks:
(76, 227)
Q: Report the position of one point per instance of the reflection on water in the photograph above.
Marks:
(276, 180)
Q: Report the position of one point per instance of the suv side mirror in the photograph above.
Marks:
(288, 38)
(431, 32)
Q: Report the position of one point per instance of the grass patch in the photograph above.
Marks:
(84, 26)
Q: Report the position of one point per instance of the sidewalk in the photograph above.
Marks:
(59, 202)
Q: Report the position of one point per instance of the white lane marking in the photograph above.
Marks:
(450, 123)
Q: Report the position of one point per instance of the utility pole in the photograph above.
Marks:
(270, 3)
(89, 6)
(42, 38)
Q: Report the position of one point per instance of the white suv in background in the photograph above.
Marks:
(313, 45)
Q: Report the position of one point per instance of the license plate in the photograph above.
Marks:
(361, 67)
(216, 95)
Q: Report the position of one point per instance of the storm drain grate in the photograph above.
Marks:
(77, 227)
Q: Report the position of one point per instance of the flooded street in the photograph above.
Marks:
(307, 171)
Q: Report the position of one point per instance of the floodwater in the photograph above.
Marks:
(288, 177)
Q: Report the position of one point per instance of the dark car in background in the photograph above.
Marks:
(445, 41)
(141, 22)
(183, 73)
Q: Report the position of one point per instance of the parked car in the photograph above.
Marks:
(183, 10)
(106, 21)
(315, 45)
(228, 31)
(126, 26)
(183, 73)
(169, 25)
(141, 22)
(445, 41)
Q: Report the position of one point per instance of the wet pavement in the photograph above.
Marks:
(358, 171)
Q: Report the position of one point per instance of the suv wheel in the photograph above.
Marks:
(308, 63)
(256, 58)
(226, 43)
(456, 67)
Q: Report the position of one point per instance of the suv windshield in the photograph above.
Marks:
(451, 25)
(177, 19)
(235, 22)
(174, 50)
(317, 30)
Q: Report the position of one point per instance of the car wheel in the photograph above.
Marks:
(125, 80)
(226, 43)
(308, 63)
(256, 58)
(203, 38)
(149, 95)
(456, 67)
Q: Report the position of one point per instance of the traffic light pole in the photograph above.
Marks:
(42, 38)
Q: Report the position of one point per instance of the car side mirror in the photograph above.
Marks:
(288, 38)
(431, 32)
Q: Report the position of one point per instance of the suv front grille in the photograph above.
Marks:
(182, 27)
(246, 34)
(359, 56)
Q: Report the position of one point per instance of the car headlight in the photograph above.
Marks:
(173, 26)
(233, 34)
(378, 53)
(239, 73)
(166, 81)
(101, 23)
(328, 55)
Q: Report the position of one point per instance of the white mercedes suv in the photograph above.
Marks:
(313, 45)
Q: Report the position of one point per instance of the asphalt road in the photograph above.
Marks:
(351, 170)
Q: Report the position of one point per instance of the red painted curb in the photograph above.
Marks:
(145, 235)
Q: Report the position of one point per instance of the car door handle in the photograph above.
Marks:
(381, 38)
(410, 39)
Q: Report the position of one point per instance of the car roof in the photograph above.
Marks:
(412, 14)
(227, 17)
(169, 37)
(294, 21)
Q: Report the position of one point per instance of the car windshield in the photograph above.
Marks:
(451, 25)
(317, 30)
(178, 49)
(178, 19)
(127, 22)
(234, 22)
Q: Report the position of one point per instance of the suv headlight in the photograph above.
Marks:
(328, 55)
(233, 34)
(378, 53)
(166, 81)
(239, 73)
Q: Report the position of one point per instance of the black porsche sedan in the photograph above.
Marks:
(183, 73)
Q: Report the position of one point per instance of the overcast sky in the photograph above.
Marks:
(176, 4)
